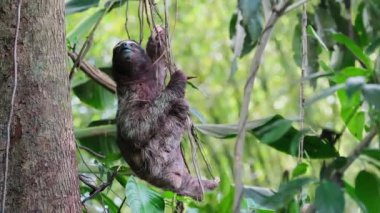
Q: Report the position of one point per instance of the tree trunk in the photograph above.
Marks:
(42, 174)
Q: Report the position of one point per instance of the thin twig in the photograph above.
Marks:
(91, 151)
(15, 64)
(126, 20)
(121, 205)
(140, 15)
(358, 149)
(304, 71)
(239, 146)
(295, 5)
(87, 44)
(169, 57)
(193, 144)
(102, 187)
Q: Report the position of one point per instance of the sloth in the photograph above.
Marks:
(152, 117)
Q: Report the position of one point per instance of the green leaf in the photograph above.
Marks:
(351, 192)
(311, 31)
(355, 49)
(110, 205)
(300, 169)
(252, 18)
(82, 29)
(372, 153)
(268, 136)
(373, 46)
(325, 93)
(367, 188)
(101, 139)
(270, 130)
(348, 72)
(229, 130)
(276, 132)
(371, 93)
(142, 199)
(256, 197)
(329, 198)
(75, 6)
(286, 193)
(356, 125)
(94, 95)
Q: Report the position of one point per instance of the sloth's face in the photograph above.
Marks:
(129, 58)
(126, 50)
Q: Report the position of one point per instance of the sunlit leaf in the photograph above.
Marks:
(354, 48)
(142, 199)
(83, 28)
(300, 169)
(348, 72)
(356, 125)
(329, 197)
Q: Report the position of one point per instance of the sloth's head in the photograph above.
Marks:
(129, 60)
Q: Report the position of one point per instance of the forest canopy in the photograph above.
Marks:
(300, 78)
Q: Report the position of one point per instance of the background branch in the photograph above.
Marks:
(239, 146)
(94, 73)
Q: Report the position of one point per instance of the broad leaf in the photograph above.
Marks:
(300, 170)
(109, 203)
(285, 194)
(101, 139)
(372, 153)
(252, 18)
(329, 198)
(142, 199)
(350, 190)
(83, 28)
(75, 6)
(354, 48)
(94, 95)
(276, 132)
(256, 197)
(356, 125)
(367, 188)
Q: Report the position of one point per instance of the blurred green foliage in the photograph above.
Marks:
(342, 103)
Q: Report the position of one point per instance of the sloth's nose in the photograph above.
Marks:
(125, 45)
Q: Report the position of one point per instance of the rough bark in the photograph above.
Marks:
(42, 167)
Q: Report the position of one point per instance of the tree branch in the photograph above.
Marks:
(359, 148)
(239, 146)
(304, 71)
(94, 73)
